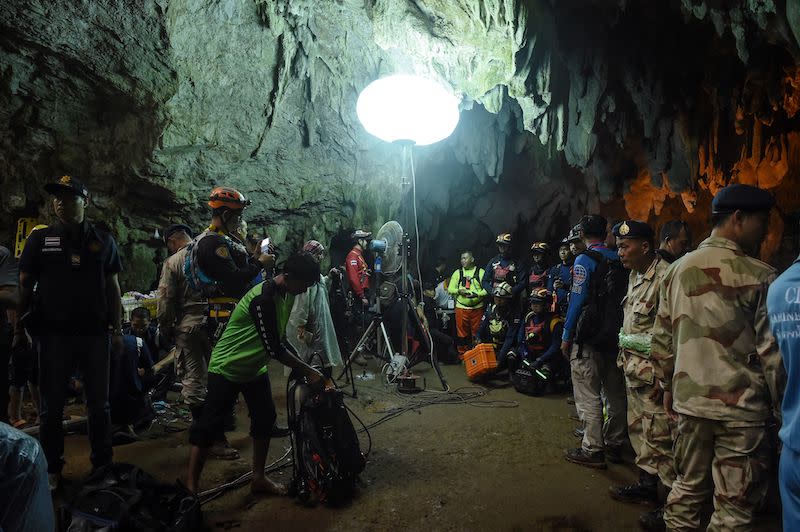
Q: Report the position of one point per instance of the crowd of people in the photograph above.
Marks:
(670, 351)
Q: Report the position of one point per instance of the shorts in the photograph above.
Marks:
(221, 396)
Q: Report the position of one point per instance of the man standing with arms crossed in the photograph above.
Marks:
(723, 376)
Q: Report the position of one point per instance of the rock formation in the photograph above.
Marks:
(640, 109)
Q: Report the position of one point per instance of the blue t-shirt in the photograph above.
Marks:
(783, 305)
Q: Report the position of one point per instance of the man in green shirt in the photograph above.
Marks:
(239, 365)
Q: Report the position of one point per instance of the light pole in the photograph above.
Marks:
(407, 110)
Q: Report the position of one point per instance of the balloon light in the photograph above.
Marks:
(407, 108)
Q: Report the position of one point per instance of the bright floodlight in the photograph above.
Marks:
(403, 107)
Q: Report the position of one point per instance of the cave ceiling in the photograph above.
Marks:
(640, 109)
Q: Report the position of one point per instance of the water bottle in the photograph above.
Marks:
(378, 264)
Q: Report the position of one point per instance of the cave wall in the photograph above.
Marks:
(640, 109)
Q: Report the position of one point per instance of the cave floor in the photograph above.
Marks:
(441, 467)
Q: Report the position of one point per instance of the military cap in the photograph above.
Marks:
(633, 229)
(67, 183)
(593, 224)
(175, 228)
(741, 197)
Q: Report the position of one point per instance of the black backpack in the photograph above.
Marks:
(601, 317)
(123, 497)
(327, 457)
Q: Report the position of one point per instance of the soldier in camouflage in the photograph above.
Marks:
(649, 428)
(720, 367)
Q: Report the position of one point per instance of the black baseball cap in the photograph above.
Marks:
(67, 183)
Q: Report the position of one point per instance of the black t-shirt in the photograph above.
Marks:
(8, 276)
(231, 269)
(71, 275)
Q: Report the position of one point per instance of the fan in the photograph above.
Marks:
(389, 243)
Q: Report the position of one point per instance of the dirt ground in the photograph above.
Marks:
(495, 464)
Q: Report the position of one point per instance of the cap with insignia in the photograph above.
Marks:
(633, 229)
(741, 198)
(67, 183)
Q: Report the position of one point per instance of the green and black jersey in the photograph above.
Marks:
(251, 337)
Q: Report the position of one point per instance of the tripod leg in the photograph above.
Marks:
(360, 343)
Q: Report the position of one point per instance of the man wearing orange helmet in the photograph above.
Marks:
(226, 268)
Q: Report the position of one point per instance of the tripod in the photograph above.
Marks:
(378, 328)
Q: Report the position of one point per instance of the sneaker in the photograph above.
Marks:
(614, 454)
(578, 432)
(638, 493)
(53, 481)
(653, 520)
(579, 456)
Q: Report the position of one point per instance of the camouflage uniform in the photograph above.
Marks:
(713, 343)
(649, 428)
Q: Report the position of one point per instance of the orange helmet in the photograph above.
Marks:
(539, 247)
(227, 197)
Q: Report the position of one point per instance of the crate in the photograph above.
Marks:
(480, 361)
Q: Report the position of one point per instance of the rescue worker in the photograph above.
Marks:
(310, 326)
(466, 286)
(9, 298)
(594, 372)
(220, 266)
(675, 240)
(500, 326)
(649, 428)
(504, 269)
(74, 266)
(539, 337)
(356, 267)
(576, 245)
(723, 375)
(239, 365)
(783, 304)
(182, 313)
(537, 273)
(559, 279)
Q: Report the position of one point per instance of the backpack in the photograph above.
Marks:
(601, 316)
(327, 457)
(123, 497)
(195, 278)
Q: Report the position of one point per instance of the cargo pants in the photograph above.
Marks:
(651, 433)
(595, 373)
(730, 457)
(192, 353)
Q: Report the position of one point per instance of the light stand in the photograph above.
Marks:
(407, 111)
